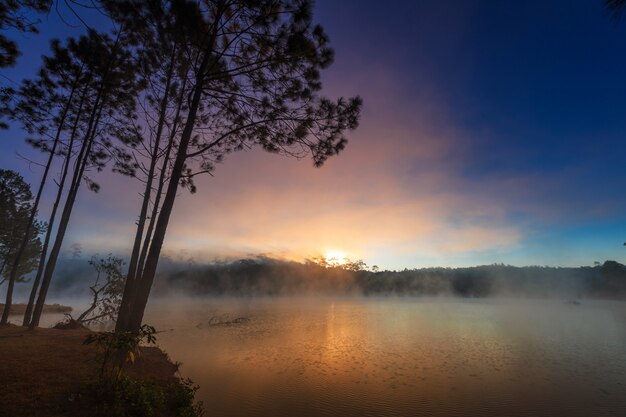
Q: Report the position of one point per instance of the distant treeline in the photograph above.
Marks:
(270, 277)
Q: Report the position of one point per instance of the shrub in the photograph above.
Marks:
(119, 395)
(125, 396)
(182, 399)
(119, 349)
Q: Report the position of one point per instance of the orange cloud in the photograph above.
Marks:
(393, 193)
(394, 190)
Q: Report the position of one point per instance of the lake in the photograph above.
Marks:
(399, 357)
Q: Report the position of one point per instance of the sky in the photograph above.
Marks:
(491, 132)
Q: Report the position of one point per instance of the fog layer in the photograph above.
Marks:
(270, 277)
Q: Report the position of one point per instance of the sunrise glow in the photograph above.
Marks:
(318, 207)
(335, 258)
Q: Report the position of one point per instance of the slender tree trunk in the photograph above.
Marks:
(33, 213)
(155, 210)
(143, 286)
(159, 193)
(55, 206)
(9, 295)
(132, 265)
(81, 162)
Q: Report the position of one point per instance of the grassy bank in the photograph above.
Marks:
(50, 372)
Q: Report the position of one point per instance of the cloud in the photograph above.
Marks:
(401, 194)
(394, 189)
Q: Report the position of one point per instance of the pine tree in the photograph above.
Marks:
(44, 105)
(14, 14)
(106, 105)
(16, 202)
(254, 80)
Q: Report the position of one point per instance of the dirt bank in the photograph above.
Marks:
(46, 372)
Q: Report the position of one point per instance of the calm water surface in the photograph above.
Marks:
(400, 357)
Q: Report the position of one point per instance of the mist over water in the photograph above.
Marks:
(397, 357)
(264, 337)
(262, 276)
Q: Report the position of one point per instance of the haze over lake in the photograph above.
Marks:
(298, 208)
(398, 357)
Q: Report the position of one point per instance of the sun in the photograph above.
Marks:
(335, 258)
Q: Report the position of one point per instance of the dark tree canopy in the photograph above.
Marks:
(177, 87)
(251, 74)
(15, 209)
(17, 15)
(615, 5)
(97, 108)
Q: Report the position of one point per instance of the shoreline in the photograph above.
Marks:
(51, 372)
(20, 308)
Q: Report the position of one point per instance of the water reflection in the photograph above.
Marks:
(400, 357)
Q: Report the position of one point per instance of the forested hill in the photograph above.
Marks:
(264, 276)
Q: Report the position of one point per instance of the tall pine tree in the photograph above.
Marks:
(253, 80)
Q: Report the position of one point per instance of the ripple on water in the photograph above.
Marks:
(398, 358)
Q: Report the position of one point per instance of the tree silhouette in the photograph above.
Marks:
(253, 71)
(164, 67)
(14, 14)
(106, 291)
(16, 202)
(615, 6)
(103, 109)
(43, 105)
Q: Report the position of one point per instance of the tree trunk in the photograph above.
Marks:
(55, 206)
(143, 286)
(122, 316)
(33, 213)
(81, 162)
(159, 193)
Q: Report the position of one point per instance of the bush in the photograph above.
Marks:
(182, 399)
(124, 396)
(119, 349)
(120, 395)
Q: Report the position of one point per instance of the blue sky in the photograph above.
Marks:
(492, 132)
